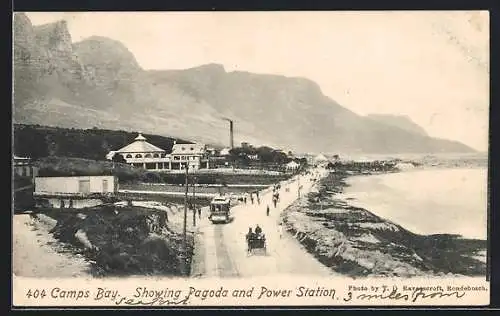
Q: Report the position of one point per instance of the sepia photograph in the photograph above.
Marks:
(286, 158)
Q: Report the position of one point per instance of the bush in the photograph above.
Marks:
(124, 243)
(151, 177)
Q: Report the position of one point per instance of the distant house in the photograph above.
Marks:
(74, 191)
(23, 167)
(213, 151)
(24, 174)
(292, 166)
(225, 151)
(320, 159)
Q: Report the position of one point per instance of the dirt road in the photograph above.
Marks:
(35, 253)
(225, 247)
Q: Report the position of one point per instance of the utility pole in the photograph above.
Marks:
(184, 241)
(298, 181)
(194, 201)
(219, 187)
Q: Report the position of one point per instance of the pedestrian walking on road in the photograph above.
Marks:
(251, 197)
(199, 212)
(267, 211)
(258, 230)
(280, 229)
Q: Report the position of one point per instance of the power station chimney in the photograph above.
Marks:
(231, 139)
(231, 136)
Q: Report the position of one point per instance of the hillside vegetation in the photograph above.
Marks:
(38, 141)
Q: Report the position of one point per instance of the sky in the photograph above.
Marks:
(432, 66)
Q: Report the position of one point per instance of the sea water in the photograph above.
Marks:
(432, 201)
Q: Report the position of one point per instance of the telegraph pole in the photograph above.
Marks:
(298, 182)
(184, 241)
(194, 201)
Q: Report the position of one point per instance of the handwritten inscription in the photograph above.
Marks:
(393, 293)
(151, 302)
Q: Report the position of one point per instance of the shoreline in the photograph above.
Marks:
(409, 197)
(354, 241)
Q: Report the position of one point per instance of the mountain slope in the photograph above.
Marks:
(98, 82)
(401, 121)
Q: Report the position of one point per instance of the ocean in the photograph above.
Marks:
(452, 201)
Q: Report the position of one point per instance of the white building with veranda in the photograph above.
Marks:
(196, 156)
(143, 154)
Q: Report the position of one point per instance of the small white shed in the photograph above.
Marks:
(79, 185)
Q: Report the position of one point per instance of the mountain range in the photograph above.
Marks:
(97, 82)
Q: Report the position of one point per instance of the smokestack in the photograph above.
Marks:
(231, 139)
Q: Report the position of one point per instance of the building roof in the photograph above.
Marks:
(320, 157)
(110, 155)
(81, 175)
(225, 151)
(140, 145)
(21, 161)
(186, 149)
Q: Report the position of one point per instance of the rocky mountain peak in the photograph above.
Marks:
(54, 36)
(23, 30)
(99, 50)
(21, 22)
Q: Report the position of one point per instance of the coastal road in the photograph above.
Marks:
(224, 245)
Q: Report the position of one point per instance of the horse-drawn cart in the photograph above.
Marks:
(257, 244)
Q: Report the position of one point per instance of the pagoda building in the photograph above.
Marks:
(142, 154)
